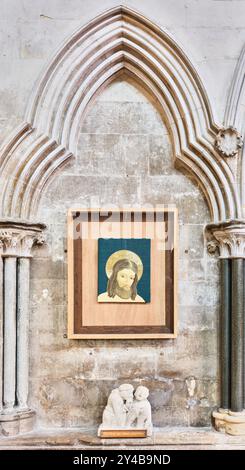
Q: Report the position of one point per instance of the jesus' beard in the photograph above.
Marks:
(123, 293)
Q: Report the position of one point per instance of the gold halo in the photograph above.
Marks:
(123, 254)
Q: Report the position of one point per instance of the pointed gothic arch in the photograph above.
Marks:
(118, 40)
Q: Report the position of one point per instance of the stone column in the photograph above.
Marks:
(237, 340)
(9, 339)
(225, 332)
(23, 333)
(23, 276)
(229, 238)
(244, 331)
(1, 325)
(17, 239)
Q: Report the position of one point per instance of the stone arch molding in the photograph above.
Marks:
(119, 40)
(235, 114)
(235, 109)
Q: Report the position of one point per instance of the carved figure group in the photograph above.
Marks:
(127, 409)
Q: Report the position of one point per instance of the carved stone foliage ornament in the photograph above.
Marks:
(17, 239)
(10, 241)
(228, 142)
(228, 238)
(127, 409)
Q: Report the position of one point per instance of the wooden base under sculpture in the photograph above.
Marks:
(122, 433)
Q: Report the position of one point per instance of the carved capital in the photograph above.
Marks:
(17, 238)
(228, 238)
(228, 142)
(10, 241)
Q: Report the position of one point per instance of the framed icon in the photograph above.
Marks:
(124, 270)
(122, 273)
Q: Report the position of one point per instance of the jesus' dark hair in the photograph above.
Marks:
(112, 282)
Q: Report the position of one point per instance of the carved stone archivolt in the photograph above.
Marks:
(228, 238)
(228, 142)
(118, 42)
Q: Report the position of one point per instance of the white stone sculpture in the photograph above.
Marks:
(127, 410)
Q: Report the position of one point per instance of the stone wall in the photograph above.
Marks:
(125, 156)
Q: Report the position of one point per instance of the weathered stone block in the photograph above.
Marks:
(139, 118)
(100, 154)
(170, 416)
(136, 152)
(191, 241)
(213, 269)
(191, 269)
(188, 200)
(197, 294)
(185, 356)
(80, 364)
(46, 268)
(124, 89)
(51, 327)
(160, 155)
(48, 291)
(190, 318)
(106, 190)
(126, 364)
(103, 118)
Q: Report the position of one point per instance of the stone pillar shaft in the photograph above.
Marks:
(1, 330)
(9, 365)
(244, 333)
(23, 332)
(229, 237)
(237, 365)
(16, 242)
(225, 333)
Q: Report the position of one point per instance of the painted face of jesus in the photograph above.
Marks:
(125, 278)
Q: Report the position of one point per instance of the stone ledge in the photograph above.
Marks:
(187, 438)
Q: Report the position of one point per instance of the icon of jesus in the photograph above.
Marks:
(124, 269)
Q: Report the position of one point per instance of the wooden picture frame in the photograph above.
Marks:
(89, 319)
